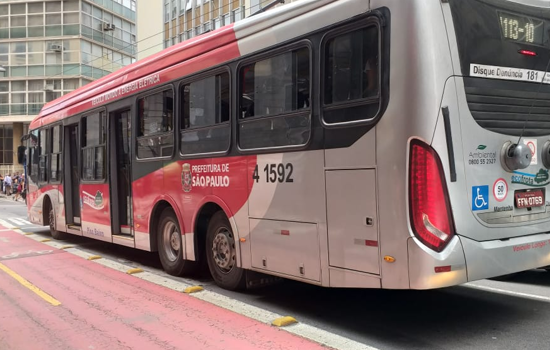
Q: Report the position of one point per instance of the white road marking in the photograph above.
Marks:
(10, 223)
(20, 221)
(508, 292)
(6, 224)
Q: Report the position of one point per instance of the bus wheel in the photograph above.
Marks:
(221, 254)
(51, 221)
(170, 245)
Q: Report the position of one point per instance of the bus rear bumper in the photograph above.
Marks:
(429, 269)
(465, 260)
(502, 257)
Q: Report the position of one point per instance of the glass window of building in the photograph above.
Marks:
(53, 6)
(6, 144)
(71, 5)
(35, 7)
(18, 9)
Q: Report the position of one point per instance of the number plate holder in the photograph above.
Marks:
(529, 198)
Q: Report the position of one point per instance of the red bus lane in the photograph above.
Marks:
(101, 308)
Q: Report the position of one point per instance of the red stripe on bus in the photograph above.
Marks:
(371, 243)
(176, 62)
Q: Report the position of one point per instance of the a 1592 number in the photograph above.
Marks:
(275, 173)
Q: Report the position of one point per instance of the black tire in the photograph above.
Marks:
(221, 254)
(58, 235)
(170, 246)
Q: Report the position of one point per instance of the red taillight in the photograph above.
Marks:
(430, 210)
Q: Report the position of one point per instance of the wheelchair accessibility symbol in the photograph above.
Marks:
(480, 198)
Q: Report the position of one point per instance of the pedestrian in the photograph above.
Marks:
(23, 190)
(17, 186)
(7, 184)
(2, 183)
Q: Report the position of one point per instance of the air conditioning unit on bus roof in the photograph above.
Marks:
(56, 47)
(108, 26)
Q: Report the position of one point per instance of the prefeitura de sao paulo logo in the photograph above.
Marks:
(186, 177)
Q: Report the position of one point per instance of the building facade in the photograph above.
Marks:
(51, 47)
(179, 20)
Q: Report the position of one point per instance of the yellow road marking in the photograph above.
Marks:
(30, 286)
(132, 271)
(284, 321)
(193, 289)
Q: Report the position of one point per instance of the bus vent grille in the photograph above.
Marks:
(505, 106)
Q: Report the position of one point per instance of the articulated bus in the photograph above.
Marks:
(344, 143)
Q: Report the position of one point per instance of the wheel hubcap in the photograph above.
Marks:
(172, 241)
(223, 249)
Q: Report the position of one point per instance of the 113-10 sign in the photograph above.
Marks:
(522, 29)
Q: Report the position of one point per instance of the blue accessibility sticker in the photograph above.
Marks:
(480, 198)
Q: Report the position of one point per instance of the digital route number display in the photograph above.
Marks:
(522, 29)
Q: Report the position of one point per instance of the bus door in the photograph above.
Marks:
(120, 175)
(72, 175)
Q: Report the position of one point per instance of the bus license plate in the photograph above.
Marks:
(529, 199)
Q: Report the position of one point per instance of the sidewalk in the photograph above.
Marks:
(56, 300)
(3, 196)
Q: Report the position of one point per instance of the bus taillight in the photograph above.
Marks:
(430, 209)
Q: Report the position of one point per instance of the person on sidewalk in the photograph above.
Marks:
(23, 190)
(17, 191)
(7, 184)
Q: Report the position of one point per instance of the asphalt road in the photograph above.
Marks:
(486, 314)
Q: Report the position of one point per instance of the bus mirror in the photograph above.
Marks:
(515, 156)
(546, 155)
(21, 154)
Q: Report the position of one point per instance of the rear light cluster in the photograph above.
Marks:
(430, 209)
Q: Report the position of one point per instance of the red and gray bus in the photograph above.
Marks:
(344, 143)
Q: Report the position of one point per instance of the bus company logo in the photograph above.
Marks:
(186, 177)
(95, 202)
(204, 175)
(541, 178)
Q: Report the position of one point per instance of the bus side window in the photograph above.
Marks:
(272, 89)
(351, 75)
(205, 115)
(56, 162)
(34, 156)
(43, 155)
(93, 147)
(156, 125)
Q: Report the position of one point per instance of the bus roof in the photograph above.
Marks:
(142, 68)
(174, 55)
